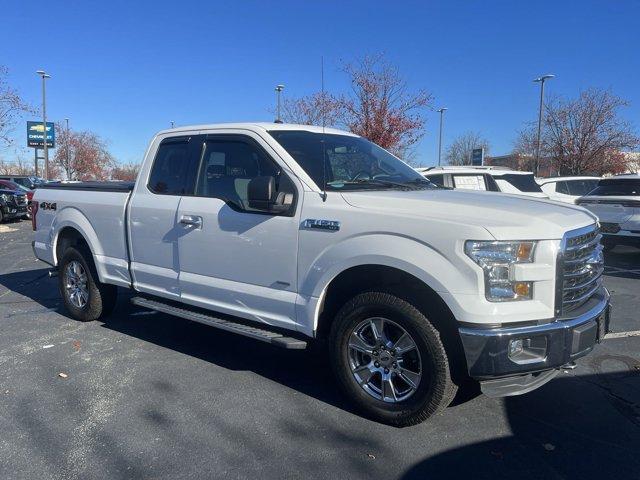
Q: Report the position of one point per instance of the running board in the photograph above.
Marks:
(268, 336)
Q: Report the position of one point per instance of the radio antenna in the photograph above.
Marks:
(323, 113)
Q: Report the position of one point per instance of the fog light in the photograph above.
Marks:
(528, 350)
(515, 348)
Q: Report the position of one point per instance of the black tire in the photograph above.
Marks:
(1, 216)
(434, 392)
(101, 296)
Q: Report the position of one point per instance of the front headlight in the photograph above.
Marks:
(495, 259)
(6, 197)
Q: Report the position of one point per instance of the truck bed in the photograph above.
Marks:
(97, 210)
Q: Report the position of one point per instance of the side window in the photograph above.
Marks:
(437, 179)
(469, 182)
(562, 187)
(174, 170)
(229, 164)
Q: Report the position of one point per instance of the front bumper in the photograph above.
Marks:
(556, 344)
(14, 211)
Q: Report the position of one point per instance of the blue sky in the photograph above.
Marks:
(125, 69)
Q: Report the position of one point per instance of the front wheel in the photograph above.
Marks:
(83, 295)
(389, 359)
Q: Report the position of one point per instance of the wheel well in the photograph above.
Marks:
(68, 237)
(366, 278)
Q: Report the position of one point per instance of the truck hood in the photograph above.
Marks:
(505, 216)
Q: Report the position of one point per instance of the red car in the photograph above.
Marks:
(9, 185)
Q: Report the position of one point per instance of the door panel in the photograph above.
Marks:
(154, 230)
(235, 261)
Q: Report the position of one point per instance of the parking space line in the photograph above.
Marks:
(633, 333)
(609, 269)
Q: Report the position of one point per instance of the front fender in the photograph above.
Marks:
(442, 271)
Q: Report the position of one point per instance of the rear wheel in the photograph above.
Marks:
(83, 295)
(390, 360)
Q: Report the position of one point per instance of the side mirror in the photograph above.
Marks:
(261, 192)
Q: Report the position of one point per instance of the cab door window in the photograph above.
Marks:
(229, 163)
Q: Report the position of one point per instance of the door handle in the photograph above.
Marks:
(191, 220)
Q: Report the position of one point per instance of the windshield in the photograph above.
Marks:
(8, 184)
(524, 183)
(350, 163)
(623, 188)
(581, 187)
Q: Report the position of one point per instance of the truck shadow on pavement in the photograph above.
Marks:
(578, 426)
(585, 427)
(33, 284)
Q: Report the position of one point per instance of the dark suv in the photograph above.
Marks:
(13, 204)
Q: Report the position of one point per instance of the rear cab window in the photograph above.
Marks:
(174, 167)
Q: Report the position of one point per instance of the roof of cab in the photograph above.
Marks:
(257, 126)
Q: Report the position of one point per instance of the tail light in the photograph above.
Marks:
(34, 211)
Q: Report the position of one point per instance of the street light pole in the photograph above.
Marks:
(279, 89)
(442, 110)
(44, 76)
(541, 80)
(67, 143)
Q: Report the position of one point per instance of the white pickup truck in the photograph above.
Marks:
(290, 233)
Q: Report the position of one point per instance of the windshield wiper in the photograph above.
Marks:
(382, 183)
(422, 182)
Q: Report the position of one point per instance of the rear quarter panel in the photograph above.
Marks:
(100, 219)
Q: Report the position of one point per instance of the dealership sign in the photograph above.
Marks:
(477, 157)
(35, 135)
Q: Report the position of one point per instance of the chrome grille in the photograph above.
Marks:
(582, 265)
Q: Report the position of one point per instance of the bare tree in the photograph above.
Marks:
(11, 108)
(583, 135)
(319, 108)
(459, 152)
(379, 106)
(82, 155)
(17, 167)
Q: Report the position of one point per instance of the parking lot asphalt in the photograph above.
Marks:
(147, 395)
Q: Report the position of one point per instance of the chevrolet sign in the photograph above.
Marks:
(35, 135)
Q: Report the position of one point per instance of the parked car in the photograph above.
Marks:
(616, 202)
(291, 233)
(493, 179)
(13, 204)
(567, 189)
(9, 185)
(29, 181)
